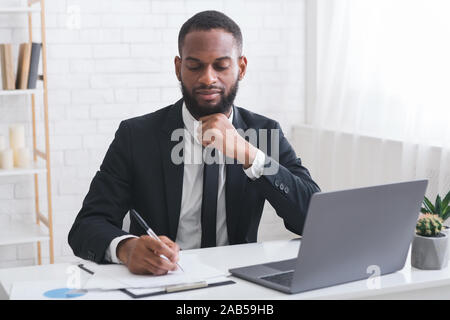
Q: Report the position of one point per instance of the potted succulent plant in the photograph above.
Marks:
(441, 208)
(430, 245)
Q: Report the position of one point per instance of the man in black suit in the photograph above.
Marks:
(151, 165)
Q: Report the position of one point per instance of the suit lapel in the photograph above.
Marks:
(173, 172)
(234, 185)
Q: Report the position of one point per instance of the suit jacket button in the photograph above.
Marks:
(91, 255)
(277, 183)
(281, 186)
(286, 189)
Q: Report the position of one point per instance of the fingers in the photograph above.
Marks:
(160, 248)
(206, 135)
(172, 245)
(212, 128)
(150, 265)
(205, 119)
(158, 265)
(152, 256)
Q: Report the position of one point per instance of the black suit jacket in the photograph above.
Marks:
(137, 172)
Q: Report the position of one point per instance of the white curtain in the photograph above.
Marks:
(382, 77)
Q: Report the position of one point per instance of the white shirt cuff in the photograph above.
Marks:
(256, 169)
(110, 253)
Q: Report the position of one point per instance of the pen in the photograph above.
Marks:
(149, 230)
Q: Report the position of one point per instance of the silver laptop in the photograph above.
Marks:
(345, 233)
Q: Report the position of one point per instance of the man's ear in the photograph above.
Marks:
(177, 62)
(242, 62)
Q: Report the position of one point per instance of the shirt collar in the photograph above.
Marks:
(191, 124)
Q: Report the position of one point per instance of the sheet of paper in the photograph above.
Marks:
(107, 277)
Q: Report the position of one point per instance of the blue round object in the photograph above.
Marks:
(61, 293)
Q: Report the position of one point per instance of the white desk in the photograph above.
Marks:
(409, 283)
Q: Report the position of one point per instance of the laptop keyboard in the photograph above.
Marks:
(284, 279)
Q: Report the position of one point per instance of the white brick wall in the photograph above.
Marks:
(119, 64)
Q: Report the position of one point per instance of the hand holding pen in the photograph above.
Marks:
(148, 254)
(149, 230)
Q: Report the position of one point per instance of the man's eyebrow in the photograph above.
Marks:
(198, 60)
(224, 58)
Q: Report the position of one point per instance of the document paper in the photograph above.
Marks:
(109, 277)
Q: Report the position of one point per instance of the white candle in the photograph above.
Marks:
(2, 143)
(22, 158)
(17, 136)
(6, 159)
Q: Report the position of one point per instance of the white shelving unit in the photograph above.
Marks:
(35, 168)
(20, 9)
(19, 92)
(19, 232)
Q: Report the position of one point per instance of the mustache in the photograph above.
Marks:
(211, 87)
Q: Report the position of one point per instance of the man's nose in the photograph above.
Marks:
(208, 76)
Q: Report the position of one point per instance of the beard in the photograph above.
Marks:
(197, 110)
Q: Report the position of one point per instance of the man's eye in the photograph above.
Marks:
(221, 68)
(194, 68)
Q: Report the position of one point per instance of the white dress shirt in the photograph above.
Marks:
(189, 231)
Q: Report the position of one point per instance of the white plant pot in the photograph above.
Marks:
(446, 230)
(430, 253)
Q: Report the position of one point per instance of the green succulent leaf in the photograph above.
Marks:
(445, 202)
(423, 210)
(437, 205)
(428, 205)
(445, 213)
(447, 198)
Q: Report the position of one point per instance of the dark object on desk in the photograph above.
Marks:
(34, 64)
(349, 235)
(82, 267)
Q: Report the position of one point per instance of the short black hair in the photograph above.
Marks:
(207, 20)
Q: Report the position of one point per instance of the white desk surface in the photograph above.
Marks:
(408, 283)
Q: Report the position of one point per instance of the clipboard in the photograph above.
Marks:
(186, 287)
(169, 289)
